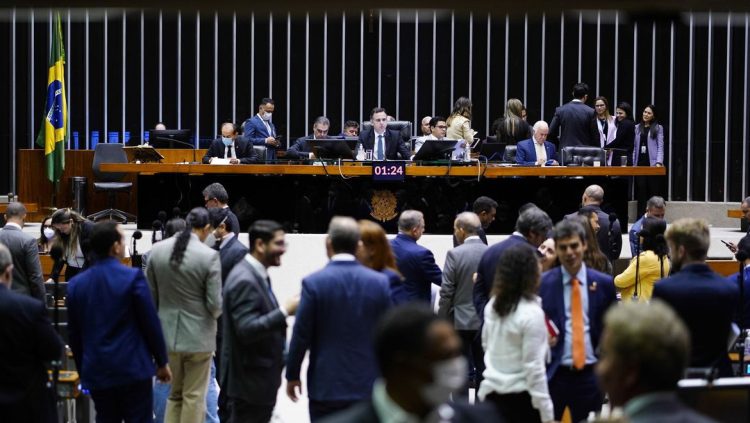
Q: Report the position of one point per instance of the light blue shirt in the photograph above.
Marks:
(567, 358)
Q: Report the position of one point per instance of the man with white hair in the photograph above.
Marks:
(537, 151)
(416, 263)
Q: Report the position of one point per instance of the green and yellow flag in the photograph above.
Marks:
(53, 132)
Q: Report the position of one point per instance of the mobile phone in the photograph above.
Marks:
(725, 243)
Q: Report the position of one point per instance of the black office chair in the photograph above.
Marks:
(402, 126)
(587, 154)
(509, 155)
(110, 182)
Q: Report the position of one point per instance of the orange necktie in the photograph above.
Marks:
(576, 314)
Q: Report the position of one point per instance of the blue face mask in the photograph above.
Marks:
(226, 141)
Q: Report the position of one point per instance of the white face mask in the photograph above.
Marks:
(49, 233)
(267, 116)
(448, 377)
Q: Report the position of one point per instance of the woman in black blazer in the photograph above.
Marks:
(511, 128)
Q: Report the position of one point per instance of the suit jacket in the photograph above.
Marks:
(665, 408)
(417, 265)
(610, 242)
(115, 333)
(244, 151)
(623, 140)
(254, 338)
(458, 283)
(743, 312)
(230, 254)
(706, 302)
(255, 132)
(188, 296)
(573, 120)
(655, 145)
(398, 290)
(27, 271)
(486, 271)
(342, 358)
(601, 293)
(395, 149)
(27, 343)
(454, 412)
(526, 152)
(300, 146)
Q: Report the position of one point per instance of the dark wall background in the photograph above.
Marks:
(698, 83)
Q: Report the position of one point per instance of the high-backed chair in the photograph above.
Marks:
(260, 150)
(402, 126)
(110, 182)
(587, 154)
(509, 154)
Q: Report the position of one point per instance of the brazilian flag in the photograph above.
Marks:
(53, 131)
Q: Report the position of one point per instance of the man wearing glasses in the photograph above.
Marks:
(438, 128)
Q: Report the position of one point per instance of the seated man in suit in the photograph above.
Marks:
(438, 128)
(645, 350)
(537, 151)
(230, 146)
(384, 143)
(575, 298)
(301, 148)
(704, 300)
(259, 129)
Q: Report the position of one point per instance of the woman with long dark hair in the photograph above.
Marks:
(625, 133)
(511, 128)
(514, 338)
(375, 252)
(650, 265)
(593, 256)
(459, 122)
(46, 236)
(72, 232)
(648, 150)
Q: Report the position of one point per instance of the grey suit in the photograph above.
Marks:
(27, 271)
(188, 297)
(461, 264)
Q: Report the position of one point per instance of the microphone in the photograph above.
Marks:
(157, 233)
(136, 236)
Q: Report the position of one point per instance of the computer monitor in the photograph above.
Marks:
(332, 149)
(433, 150)
(492, 151)
(170, 138)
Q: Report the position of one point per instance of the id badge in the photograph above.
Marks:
(643, 149)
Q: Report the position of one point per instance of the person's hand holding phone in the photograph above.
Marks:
(732, 247)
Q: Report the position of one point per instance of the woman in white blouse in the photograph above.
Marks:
(514, 338)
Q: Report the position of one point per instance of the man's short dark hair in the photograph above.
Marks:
(265, 100)
(219, 215)
(484, 204)
(103, 237)
(377, 110)
(15, 209)
(402, 334)
(217, 191)
(568, 228)
(351, 124)
(434, 121)
(322, 120)
(580, 90)
(743, 246)
(343, 232)
(263, 230)
(533, 220)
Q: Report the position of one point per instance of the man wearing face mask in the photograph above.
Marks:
(259, 129)
(27, 272)
(419, 355)
(230, 147)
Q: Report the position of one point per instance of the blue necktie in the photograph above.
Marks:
(380, 147)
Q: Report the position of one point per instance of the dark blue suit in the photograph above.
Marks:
(398, 290)
(486, 271)
(116, 336)
(337, 313)
(27, 343)
(243, 151)
(574, 121)
(417, 265)
(229, 255)
(395, 148)
(255, 132)
(576, 389)
(743, 310)
(526, 152)
(706, 302)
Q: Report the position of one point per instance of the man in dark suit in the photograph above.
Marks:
(745, 209)
(259, 129)
(645, 350)
(301, 148)
(575, 298)
(27, 272)
(458, 281)
(419, 355)
(537, 151)
(486, 209)
(705, 301)
(27, 345)
(416, 263)
(215, 195)
(231, 250)
(230, 147)
(254, 330)
(743, 253)
(574, 121)
(342, 361)
(115, 333)
(385, 144)
(609, 235)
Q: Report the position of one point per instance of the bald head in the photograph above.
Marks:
(466, 224)
(594, 194)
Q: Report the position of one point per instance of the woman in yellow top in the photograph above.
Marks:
(650, 266)
(459, 122)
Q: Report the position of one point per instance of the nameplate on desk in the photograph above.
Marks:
(388, 171)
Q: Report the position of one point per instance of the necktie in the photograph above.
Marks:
(217, 245)
(576, 315)
(380, 147)
(228, 152)
(270, 293)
